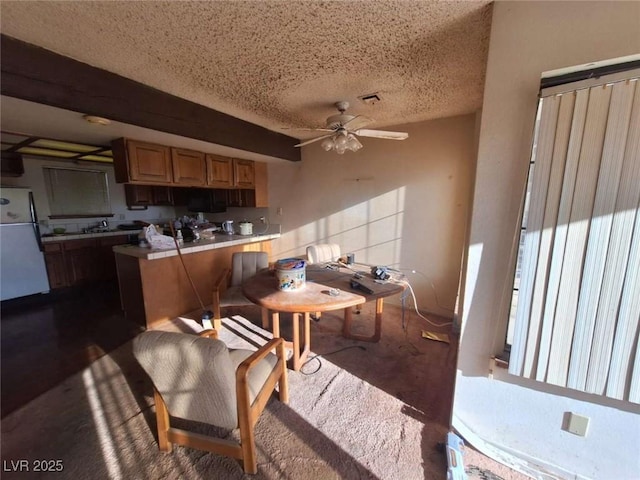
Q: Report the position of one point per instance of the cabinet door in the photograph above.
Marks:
(80, 259)
(244, 173)
(188, 167)
(234, 198)
(149, 162)
(219, 171)
(162, 195)
(54, 261)
(138, 195)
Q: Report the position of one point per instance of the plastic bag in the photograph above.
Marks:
(157, 240)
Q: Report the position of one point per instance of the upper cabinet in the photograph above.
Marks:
(244, 174)
(141, 162)
(219, 171)
(189, 168)
(223, 172)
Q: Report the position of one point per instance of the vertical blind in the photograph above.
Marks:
(578, 305)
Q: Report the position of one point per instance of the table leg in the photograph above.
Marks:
(346, 328)
(296, 341)
(298, 356)
(275, 324)
(265, 318)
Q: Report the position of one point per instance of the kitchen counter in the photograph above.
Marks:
(52, 237)
(155, 286)
(219, 241)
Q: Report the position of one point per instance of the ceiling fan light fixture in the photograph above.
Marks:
(352, 143)
(327, 144)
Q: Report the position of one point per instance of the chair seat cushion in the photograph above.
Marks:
(233, 296)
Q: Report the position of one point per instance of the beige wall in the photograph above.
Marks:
(397, 203)
(526, 417)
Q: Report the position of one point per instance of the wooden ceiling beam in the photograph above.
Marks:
(38, 75)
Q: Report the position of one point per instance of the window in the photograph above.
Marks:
(77, 193)
(576, 302)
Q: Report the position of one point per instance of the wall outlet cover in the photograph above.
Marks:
(577, 424)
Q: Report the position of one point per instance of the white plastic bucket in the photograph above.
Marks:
(291, 274)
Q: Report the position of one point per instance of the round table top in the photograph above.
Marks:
(262, 289)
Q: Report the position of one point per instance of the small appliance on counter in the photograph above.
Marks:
(246, 228)
(227, 227)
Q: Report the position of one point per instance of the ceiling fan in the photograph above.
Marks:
(344, 130)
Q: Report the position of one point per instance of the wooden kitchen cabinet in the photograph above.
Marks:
(54, 262)
(241, 197)
(76, 262)
(79, 257)
(135, 161)
(189, 168)
(223, 172)
(219, 171)
(141, 163)
(244, 175)
(143, 195)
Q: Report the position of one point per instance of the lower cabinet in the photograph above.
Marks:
(76, 262)
(54, 261)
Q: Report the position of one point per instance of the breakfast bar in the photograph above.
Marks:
(154, 286)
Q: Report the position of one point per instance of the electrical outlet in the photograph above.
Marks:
(279, 211)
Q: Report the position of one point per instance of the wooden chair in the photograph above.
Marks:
(324, 253)
(227, 288)
(201, 380)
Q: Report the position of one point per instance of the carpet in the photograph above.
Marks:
(100, 423)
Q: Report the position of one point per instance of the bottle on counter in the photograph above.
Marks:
(179, 237)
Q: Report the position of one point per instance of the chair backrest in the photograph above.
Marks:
(247, 264)
(194, 375)
(323, 252)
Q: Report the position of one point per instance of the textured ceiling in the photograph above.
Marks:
(278, 63)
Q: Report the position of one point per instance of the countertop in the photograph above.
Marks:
(75, 236)
(219, 241)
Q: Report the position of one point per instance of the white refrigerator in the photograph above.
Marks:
(22, 268)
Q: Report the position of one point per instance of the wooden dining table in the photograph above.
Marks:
(327, 287)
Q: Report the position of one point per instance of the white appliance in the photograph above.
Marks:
(246, 228)
(22, 268)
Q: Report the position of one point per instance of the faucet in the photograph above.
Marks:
(100, 226)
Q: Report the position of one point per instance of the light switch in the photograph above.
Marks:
(578, 424)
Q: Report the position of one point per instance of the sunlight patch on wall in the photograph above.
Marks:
(473, 271)
(371, 229)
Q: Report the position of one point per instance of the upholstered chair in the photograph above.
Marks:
(199, 379)
(227, 288)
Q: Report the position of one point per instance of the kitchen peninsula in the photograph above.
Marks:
(154, 286)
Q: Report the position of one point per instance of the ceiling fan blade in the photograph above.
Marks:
(313, 140)
(358, 121)
(309, 129)
(363, 132)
